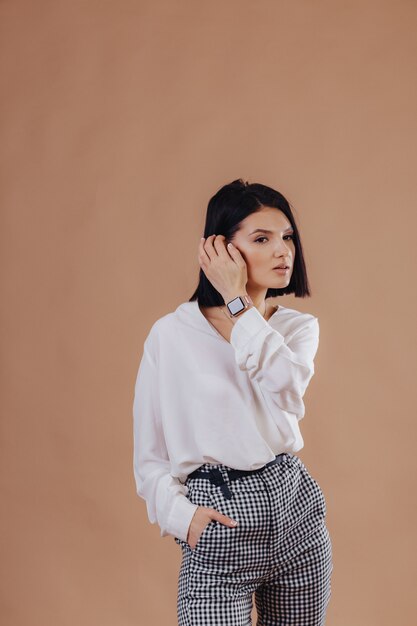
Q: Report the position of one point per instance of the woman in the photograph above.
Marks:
(218, 401)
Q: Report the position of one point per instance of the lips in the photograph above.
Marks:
(281, 267)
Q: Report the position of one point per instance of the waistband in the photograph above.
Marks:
(216, 477)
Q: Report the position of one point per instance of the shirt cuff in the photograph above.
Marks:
(249, 324)
(180, 517)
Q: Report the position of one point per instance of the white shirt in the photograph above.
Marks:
(200, 399)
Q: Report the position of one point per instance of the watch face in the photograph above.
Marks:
(236, 305)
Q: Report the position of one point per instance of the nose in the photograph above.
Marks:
(282, 248)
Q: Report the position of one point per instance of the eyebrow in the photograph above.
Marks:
(269, 232)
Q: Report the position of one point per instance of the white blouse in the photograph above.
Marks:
(200, 399)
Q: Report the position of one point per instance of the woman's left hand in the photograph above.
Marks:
(223, 266)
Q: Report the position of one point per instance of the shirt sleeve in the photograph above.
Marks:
(165, 496)
(282, 366)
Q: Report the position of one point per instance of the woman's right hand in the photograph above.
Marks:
(201, 518)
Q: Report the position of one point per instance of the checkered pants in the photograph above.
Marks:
(280, 551)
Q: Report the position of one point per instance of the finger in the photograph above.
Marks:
(209, 248)
(202, 252)
(236, 255)
(220, 246)
(223, 519)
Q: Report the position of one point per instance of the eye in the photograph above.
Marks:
(259, 238)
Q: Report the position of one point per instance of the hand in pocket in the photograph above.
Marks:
(201, 518)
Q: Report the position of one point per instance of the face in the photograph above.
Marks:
(272, 245)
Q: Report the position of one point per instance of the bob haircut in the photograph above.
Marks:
(226, 209)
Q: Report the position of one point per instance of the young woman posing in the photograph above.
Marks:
(218, 401)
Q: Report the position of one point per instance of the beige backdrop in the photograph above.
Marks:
(119, 120)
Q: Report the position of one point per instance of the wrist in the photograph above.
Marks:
(235, 294)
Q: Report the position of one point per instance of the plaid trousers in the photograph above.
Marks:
(280, 551)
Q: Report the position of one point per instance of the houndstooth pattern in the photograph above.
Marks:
(280, 551)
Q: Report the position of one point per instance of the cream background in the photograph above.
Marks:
(119, 120)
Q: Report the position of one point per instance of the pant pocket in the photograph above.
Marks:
(234, 553)
(206, 531)
(200, 497)
(319, 494)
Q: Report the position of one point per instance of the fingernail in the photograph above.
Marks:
(233, 522)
